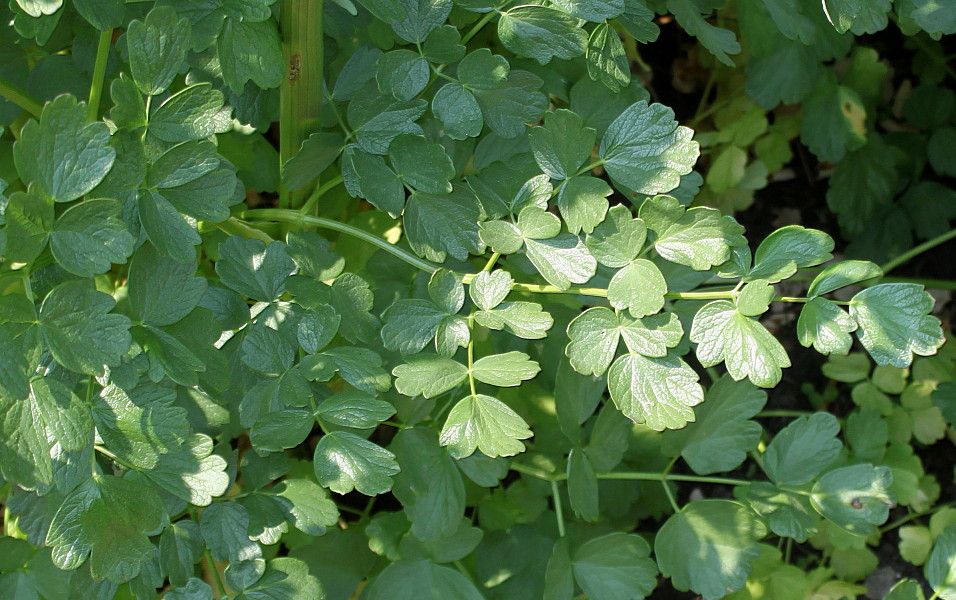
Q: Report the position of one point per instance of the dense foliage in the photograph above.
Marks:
(526, 360)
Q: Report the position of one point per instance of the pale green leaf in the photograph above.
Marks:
(485, 423)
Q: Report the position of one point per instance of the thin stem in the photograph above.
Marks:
(319, 192)
(590, 167)
(914, 516)
(783, 413)
(217, 577)
(631, 476)
(667, 488)
(20, 98)
(474, 30)
(558, 510)
(99, 74)
(114, 458)
(234, 226)
(917, 250)
(295, 217)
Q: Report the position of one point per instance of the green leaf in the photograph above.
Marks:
(50, 418)
(344, 461)
(582, 486)
(318, 328)
(37, 8)
(367, 176)
(142, 424)
(522, 319)
(834, 121)
(936, 17)
(194, 475)
(639, 287)
(596, 332)
(788, 249)
(722, 333)
(616, 566)
(595, 11)
(253, 269)
(583, 204)
(558, 579)
(421, 580)
(402, 73)
(440, 226)
(489, 288)
(354, 409)
(856, 498)
(606, 59)
(941, 569)
(429, 486)
(916, 542)
(352, 299)
(308, 505)
(193, 589)
(803, 449)
(709, 547)
(157, 49)
(378, 120)
(89, 237)
(658, 392)
(193, 113)
(250, 51)
(456, 107)
(108, 520)
(505, 370)
(562, 144)
(29, 221)
(165, 227)
(906, 589)
(755, 298)
(180, 547)
(410, 325)
(617, 240)
(428, 375)
(225, 529)
(646, 151)
(698, 238)
(508, 108)
(162, 291)
(64, 154)
(894, 323)
(825, 326)
(422, 17)
(318, 151)
(421, 165)
(723, 433)
(79, 330)
(541, 33)
(787, 514)
(482, 422)
(842, 274)
(720, 42)
(482, 70)
(863, 182)
(856, 16)
(561, 260)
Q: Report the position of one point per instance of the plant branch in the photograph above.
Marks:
(295, 217)
(558, 510)
(99, 75)
(20, 98)
(478, 26)
(917, 250)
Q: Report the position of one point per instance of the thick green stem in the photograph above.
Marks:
(300, 95)
(99, 75)
(917, 250)
(20, 98)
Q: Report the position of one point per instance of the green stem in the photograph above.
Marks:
(234, 226)
(300, 95)
(114, 458)
(474, 30)
(217, 577)
(917, 250)
(99, 75)
(319, 192)
(783, 413)
(295, 217)
(20, 98)
(914, 516)
(667, 487)
(632, 476)
(558, 510)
